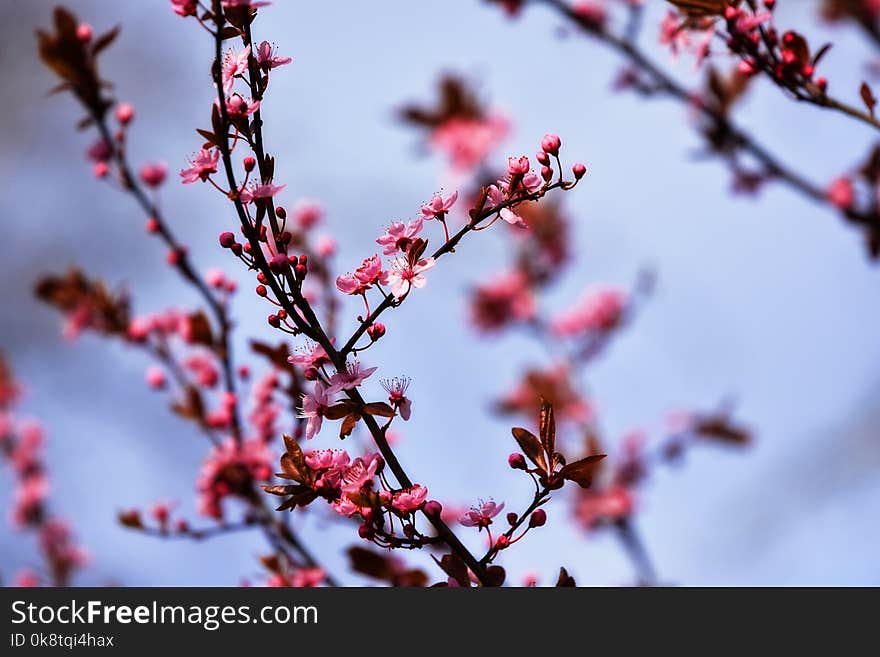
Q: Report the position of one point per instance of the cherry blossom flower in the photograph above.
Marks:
(231, 469)
(467, 141)
(234, 63)
(399, 236)
(310, 356)
(185, 7)
(396, 389)
(600, 309)
(258, 191)
(367, 274)
(502, 301)
(481, 515)
(267, 59)
(360, 473)
(404, 275)
(327, 459)
(307, 577)
(154, 174)
(596, 506)
(313, 407)
(307, 213)
(410, 499)
(438, 206)
(201, 166)
(238, 106)
(349, 379)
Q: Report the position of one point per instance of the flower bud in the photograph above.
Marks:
(546, 173)
(512, 518)
(550, 144)
(124, 113)
(543, 158)
(278, 263)
(365, 531)
(433, 509)
(227, 239)
(517, 461)
(101, 169)
(538, 518)
(84, 32)
(578, 170)
(376, 331)
(281, 213)
(273, 321)
(152, 225)
(502, 542)
(301, 271)
(249, 163)
(236, 249)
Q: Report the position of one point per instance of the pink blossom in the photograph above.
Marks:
(325, 246)
(307, 577)
(404, 275)
(238, 106)
(591, 12)
(468, 141)
(396, 389)
(155, 377)
(327, 459)
(25, 579)
(201, 167)
(154, 174)
(311, 356)
(29, 497)
(368, 273)
(267, 59)
(100, 151)
(673, 34)
(350, 378)
(482, 514)
(307, 213)
(359, 474)
(600, 309)
(234, 63)
(411, 499)
(399, 236)
(596, 506)
(518, 166)
(502, 301)
(259, 190)
(185, 7)
(313, 407)
(231, 469)
(438, 206)
(841, 193)
(345, 507)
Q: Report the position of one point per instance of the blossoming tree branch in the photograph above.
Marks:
(316, 382)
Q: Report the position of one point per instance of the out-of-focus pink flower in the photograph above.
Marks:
(467, 141)
(153, 174)
(481, 515)
(231, 470)
(185, 7)
(351, 378)
(307, 213)
(100, 151)
(404, 275)
(411, 499)
(201, 166)
(841, 193)
(438, 206)
(502, 301)
(258, 191)
(268, 59)
(308, 577)
(600, 309)
(596, 506)
(234, 63)
(314, 406)
(325, 246)
(26, 579)
(399, 236)
(591, 12)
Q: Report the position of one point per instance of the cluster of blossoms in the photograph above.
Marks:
(600, 310)
(21, 447)
(232, 470)
(355, 488)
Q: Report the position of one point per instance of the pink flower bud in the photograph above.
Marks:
(433, 508)
(512, 518)
(261, 290)
(376, 331)
(550, 144)
(124, 113)
(249, 164)
(546, 173)
(152, 225)
(578, 170)
(538, 518)
(84, 32)
(155, 377)
(274, 321)
(101, 169)
(543, 158)
(517, 461)
(278, 263)
(227, 239)
(502, 542)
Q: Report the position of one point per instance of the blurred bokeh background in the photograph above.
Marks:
(770, 300)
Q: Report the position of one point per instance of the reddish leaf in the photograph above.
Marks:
(868, 97)
(379, 408)
(530, 444)
(565, 580)
(582, 471)
(340, 410)
(348, 425)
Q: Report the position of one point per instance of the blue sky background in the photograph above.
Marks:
(771, 300)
